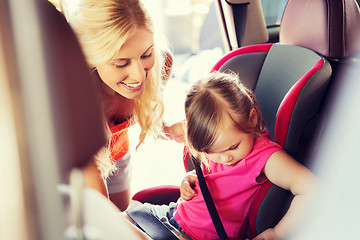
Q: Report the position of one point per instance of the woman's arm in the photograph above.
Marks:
(176, 131)
(93, 178)
(285, 172)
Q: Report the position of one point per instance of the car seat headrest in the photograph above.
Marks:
(77, 110)
(328, 27)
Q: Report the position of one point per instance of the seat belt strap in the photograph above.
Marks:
(152, 226)
(209, 201)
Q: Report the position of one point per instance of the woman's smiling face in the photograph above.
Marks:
(126, 74)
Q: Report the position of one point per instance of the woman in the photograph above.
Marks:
(118, 40)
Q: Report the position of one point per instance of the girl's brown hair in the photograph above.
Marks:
(213, 98)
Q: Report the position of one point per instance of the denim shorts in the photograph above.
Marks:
(165, 213)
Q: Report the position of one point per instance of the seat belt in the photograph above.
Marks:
(152, 226)
(209, 201)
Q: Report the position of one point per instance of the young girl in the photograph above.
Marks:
(225, 129)
(117, 37)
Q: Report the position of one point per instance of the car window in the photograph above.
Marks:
(273, 10)
(182, 22)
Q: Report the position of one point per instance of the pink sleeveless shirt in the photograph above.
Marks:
(232, 188)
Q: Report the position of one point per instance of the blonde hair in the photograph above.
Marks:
(210, 101)
(102, 27)
(105, 165)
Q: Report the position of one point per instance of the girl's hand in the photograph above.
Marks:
(186, 190)
(268, 234)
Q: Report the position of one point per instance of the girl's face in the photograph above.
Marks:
(234, 144)
(126, 74)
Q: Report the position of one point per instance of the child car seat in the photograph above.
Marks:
(331, 29)
(290, 80)
(289, 83)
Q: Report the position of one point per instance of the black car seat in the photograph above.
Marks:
(290, 80)
(331, 29)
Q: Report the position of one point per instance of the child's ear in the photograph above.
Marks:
(253, 119)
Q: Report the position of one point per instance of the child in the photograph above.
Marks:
(226, 131)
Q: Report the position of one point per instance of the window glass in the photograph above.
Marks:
(182, 22)
(193, 34)
(273, 10)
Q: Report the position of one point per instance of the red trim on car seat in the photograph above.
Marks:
(186, 155)
(259, 197)
(242, 50)
(287, 105)
(154, 191)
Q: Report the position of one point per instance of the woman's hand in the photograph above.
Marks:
(176, 131)
(186, 190)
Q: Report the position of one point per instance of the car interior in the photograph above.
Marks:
(291, 79)
(296, 75)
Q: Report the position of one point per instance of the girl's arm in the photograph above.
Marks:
(93, 178)
(285, 172)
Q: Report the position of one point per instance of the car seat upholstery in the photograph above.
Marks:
(328, 27)
(331, 29)
(291, 81)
